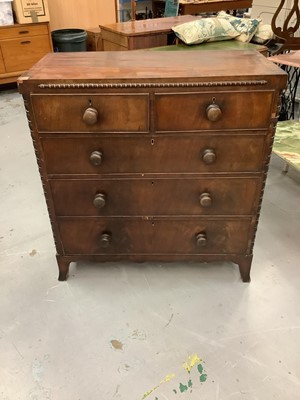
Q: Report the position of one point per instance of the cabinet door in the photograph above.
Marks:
(21, 54)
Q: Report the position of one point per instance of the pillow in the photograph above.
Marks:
(246, 27)
(263, 34)
(205, 30)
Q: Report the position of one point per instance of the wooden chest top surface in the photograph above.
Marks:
(137, 66)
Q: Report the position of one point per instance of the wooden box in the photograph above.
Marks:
(27, 11)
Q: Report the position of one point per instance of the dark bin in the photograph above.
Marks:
(69, 40)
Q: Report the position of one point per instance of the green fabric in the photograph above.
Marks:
(287, 142)
(224, 45)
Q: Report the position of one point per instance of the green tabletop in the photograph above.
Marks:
(221, 45)
(287, 142)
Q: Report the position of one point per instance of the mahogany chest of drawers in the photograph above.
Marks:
(153, 155)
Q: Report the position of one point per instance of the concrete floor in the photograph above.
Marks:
(118, 331)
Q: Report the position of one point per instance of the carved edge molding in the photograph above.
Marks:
(267, 165)
(148, 85)
(39, 163)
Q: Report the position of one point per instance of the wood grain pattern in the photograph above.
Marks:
(136, 67)
(137, 154)
(239, 110)
(139, 197)
(120, 112)
(153, 236)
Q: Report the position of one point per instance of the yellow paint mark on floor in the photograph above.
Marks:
(192, 361)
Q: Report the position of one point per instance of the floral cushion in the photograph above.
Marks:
(205, 30)
(263, 34)
(246, 27)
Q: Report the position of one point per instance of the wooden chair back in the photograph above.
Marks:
(286, 33)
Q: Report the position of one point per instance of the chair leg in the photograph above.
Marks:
(285, 168)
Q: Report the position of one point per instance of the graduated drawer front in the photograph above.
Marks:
(21, 54)
(23, 31)
(137, 236)
(234, 153)
(188, 111)
(134, 197)
(116, 112)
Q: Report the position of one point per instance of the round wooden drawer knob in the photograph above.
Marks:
(90, 116)
(105, 240)
(99, 200)
(213, 112)
(96, 158)
(209, 156)
(201, 240)
(205, 200)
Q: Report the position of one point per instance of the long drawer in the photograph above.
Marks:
(139, 154)
(212, 110)
(25, 30)
(220, 196)
(155, 236)
(92, 113)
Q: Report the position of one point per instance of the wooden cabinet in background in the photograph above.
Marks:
(143, 34)
(93, 39)
(21, 46)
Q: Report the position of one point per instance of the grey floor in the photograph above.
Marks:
(124, 331)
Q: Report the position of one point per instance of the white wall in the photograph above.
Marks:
(82, 14)
(265, 9)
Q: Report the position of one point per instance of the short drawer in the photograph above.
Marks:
(210, 110)
(137, 197)
(111, 155)
(137, 236)
(17, 31)
(94, 113)
(21, 54)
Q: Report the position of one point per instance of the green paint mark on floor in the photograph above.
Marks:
(200, 368)
(183, 388)
(193, 361)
